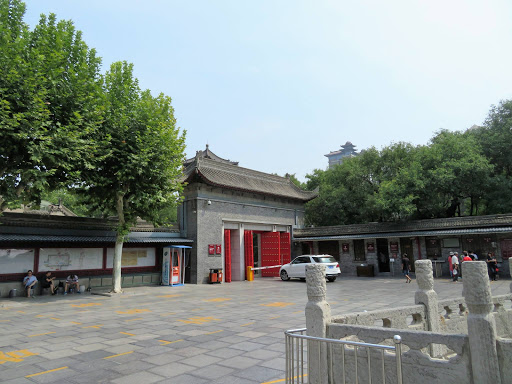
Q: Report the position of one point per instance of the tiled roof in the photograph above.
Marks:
(207, 154)
(88, 239)
(242, 179)
(65, 222)
(453, 223)
(382, 235)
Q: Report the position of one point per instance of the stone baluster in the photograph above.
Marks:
(510, 271)
(481, 324)
(428, 297)
(318, 315)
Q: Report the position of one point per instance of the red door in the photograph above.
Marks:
(227, 255)
(285, 248)
(248, 250)
(270, 253)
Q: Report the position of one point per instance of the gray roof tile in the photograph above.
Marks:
(243, 179)
(453, 223)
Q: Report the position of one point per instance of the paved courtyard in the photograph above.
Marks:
(224, 333)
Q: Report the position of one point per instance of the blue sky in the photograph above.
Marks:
(278, 84)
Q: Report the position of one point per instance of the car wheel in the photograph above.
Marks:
(302, 279)
(331, 279)
(284, 275)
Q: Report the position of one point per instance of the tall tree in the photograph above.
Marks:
(50, 104)
(137, 172)
(495, 137)
(454, 172)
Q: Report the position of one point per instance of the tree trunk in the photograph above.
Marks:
(118, 251)
(116, 269)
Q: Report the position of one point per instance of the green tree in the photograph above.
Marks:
(400, 180)
(50, 105)
(346, 192)
(141, 156)
(455, 172)
(70, 199)
(494, 138)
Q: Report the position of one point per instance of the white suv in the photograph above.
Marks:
(297, 268)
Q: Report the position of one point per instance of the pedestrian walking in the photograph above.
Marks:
(406, 265)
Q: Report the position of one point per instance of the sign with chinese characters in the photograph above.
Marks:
(345, 247)
(218, 249)
(211, 249)
(393, 246)
(370, 247)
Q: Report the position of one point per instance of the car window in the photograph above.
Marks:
(324, 259)
(305, 260)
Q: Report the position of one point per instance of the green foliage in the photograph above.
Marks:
(142, 152)
(446, 178)
(71, 200)
(50, 105)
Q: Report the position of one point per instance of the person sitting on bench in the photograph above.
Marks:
(72, 281)
(48, 283)
(29, 281)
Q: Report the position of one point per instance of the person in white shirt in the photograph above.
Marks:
(29, 281)
(71, 282)
(456, 266)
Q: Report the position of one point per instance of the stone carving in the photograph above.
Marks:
(318, 315)
(460, 332)
(428, 297)
(481, 323)
(316, 285)
(424, 275)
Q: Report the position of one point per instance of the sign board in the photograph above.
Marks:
(218, 249)
(166, 265)
(211, 249)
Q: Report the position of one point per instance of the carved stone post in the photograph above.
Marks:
(318, 315)
(428, 297)
(510, 271)
(481, 324)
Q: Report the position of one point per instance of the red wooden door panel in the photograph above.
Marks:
(285, 248)
(248, 250)
(270, 253)
(227, 255)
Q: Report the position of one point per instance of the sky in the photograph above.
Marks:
(277, 84)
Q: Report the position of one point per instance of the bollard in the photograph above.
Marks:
(428, 297)
(250, 274)
(318, 315)
(481, 324)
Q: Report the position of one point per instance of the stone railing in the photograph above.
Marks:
(412, 317)
(417, 363)
(464, 340)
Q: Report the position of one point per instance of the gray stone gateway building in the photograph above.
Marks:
(237, 217)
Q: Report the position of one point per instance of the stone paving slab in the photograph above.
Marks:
(226, 333)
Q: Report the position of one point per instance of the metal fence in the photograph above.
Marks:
(299, 346)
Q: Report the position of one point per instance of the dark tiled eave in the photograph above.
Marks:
(87, 239)
(469, 222)
(448, 232)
